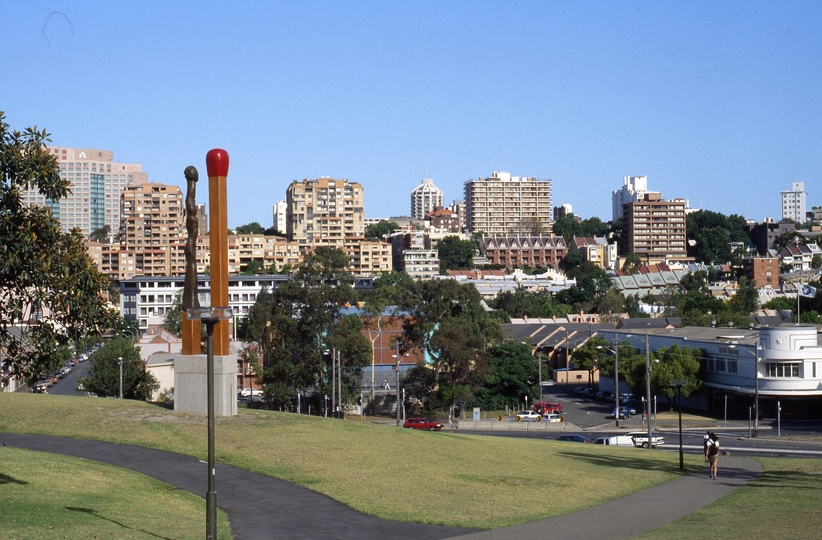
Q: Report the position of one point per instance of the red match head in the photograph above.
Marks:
(217, 162)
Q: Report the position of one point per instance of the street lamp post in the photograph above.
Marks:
(121, 376)
(398, 357)
(615, 350)
(539, 363)
(756, 383)
(679, 384)
(648, 390)
(210, 316)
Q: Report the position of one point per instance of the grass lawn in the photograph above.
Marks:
(783, 503)
(51, 496)
(449, 479)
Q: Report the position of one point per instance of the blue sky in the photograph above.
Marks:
(717, 102)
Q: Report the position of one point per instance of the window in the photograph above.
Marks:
(783, 369)
(720, 364)
(731, 365)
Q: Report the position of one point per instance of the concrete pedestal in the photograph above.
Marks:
(191, 385)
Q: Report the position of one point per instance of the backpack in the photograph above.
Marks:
(713, 447)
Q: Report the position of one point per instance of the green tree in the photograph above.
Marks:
(675, 363)
(103, 376)
(746, 299)
(455, 253)
(273, 231)
(512, 374)
(780, 303)
(250, 228)
(380, 229)
(572, 260)
(589, 355)
(568, 227)
(252, 267)
(711, 234)
(101, 234)
(395, 278)
(293, 325)
(173, 322)
(52, 292)
(632, 264)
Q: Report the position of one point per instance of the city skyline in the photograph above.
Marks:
(715, 104)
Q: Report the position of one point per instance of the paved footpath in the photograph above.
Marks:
(262, 507)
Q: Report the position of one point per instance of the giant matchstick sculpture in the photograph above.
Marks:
(207, 384)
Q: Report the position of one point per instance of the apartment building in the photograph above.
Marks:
(794, 203)
(425, 198)
(765, 234)
(149, 299)
(518, 251)
(654, 229)
(443, 219)
(368, 257)
(412, 252)
(763, 270)
(280, 213)
(96, 184)
(503, 204)
(152, 224)
(324, 212)
(634, 188)
(597, 250)
(269, 251)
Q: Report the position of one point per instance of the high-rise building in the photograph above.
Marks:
(794, 202)
(96, 184)
(634, 188)
(280, 216)
(152, 225)
(324, 212)
(654, 229)
(425, 198)
(503, 204)
(458, 207)
(562, 211)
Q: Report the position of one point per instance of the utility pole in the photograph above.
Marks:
(121, 376)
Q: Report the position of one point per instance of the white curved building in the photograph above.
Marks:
(781, 365)
(425, 198)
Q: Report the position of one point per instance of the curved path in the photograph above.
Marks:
(262, 507)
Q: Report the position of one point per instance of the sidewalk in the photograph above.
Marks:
(262, 507)
(637, 513)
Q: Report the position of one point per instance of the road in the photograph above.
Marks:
(799, 439)
(67, 386)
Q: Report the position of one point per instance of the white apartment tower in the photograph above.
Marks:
(280, 211)
(96, 185)
(503, 204)
(794, 203)
(425, 198)
(633, 189)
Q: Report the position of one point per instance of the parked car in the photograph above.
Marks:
(604, 396)
(249, 392)
(616, 440)
(573, 438)
(529, 416)
(422, 423)
(641, 439)
(547, 407)
(551, 418)
(623, 413)
(579, 390)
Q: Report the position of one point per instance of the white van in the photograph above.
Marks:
(615, 440)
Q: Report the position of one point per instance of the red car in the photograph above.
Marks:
(548, 407)
(422, 423)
